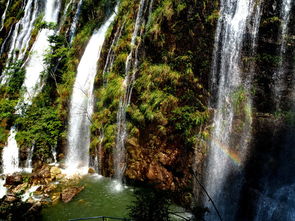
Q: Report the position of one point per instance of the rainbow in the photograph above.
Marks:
(233, 155)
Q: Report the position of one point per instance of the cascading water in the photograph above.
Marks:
(10, 155)
(131, 66)
(32, 83)
(75, 20)
(3, 189)
(4, 15)
(21, 36)
(28, 165)
(111, 56)
(81, 109)
(228, 151)
(279, 76)
(276, 200)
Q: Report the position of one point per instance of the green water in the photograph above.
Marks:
(99, 198)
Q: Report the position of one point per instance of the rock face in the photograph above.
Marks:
(69, 193)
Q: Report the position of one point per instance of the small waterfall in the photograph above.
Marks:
(232, 119)
(81, 108)
(28, 165)
(34, 67)
(10, 155)
(54, 155)
(75, 21)
(63, 17)
(4, 43)
(111, 56)
(3, 189)
(4, 15)
(21, 36)
(131, 66)
(280, 85)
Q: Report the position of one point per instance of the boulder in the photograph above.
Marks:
(55, 198)
(51, 187)
(55, 171)
(14, 180)
(20, 188)
(60, 176)
(91, 170)
(11, 198)
(69, 193)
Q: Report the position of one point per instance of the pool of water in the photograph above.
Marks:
(101, 197)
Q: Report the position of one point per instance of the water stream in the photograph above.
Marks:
(21, 36)
(81, 109)
(4, 15)
(279, 76)
(32, 83)
(75, 21)
(131, 66)
(228, 152)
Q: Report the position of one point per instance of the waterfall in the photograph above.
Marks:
(276, 201)
(21, 36)
(10, 155)
(4, 15)
(279, 75)
(81, 107)
(75, 21)
(131, 66)
(29, 160)
(63, 17)
(35, 65)
(232, 124)
(32, 83)
(111, 56)
(3, 189)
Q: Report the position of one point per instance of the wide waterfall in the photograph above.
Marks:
(228, 152)
(21, 36)
(81, 109)
(131, 66)
(34, 68)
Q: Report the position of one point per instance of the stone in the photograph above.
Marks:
(55, 197)
(69, 193)
(15, 179)
(20, 188)
(10, 198)
(91, 170)
(49, 188)
(60, 176)
(54, 171)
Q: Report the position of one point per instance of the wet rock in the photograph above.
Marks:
(60, 176)
(20, 188)
(51, 187)
(15, 180)
(91, 170)
(55, 198)
(10, 198)
(69, 193)
(54, 171)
